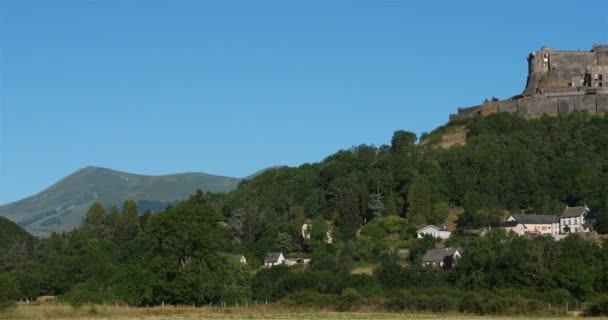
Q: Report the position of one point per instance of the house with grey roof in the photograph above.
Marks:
(441, 258)
(274, 259)
(575, 220)
(532, 224)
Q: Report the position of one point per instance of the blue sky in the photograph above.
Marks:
(229, 87)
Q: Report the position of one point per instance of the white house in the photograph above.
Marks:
(274, 259)
(575, 219)
(532, 223)
(441, 258)
(435, 232)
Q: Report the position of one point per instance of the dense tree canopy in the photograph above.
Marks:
(370, 200)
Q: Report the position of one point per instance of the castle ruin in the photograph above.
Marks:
(558, 82)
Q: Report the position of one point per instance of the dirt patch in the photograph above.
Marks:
(455, 137)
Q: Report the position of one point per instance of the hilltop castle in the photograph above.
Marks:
(558, 82)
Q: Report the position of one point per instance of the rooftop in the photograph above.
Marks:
(536, 218)
(272, 257)
(435, 255)
(571, 212)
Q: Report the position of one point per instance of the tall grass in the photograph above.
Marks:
(59, 311)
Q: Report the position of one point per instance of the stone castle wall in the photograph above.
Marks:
(558, 82)
(538, 105)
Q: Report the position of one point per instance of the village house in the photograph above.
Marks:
(441, 258)
(532, 224)
(435, 232)
(576, 220)
(274, 259)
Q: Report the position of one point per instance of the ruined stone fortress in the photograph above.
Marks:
(558, 82)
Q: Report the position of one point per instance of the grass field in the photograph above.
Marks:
(263, 312)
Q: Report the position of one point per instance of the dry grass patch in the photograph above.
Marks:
(251, 313)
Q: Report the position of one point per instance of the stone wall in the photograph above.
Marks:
(539, 105)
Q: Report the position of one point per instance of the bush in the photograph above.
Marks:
(400, 301)
(443, 304)
(598, 308)
(309, 299)
(472, 303)
(349, 298)
(8, 291)
(374, 230)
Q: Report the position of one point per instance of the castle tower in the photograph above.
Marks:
(538, 67)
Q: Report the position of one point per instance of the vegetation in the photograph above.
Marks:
(62, 206)
(251, 312)
(371, 200)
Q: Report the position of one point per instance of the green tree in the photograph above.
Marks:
(95, 221)
(285, 241)
(9, 291)
(129, 221)
(419, 201)
(376, 204)
(345, 201)
(319, 229)
(601, 221)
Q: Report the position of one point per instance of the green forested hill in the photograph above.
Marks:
(10, 233)
(63, 205)
(507, 163)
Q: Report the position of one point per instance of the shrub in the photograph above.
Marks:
(472, 303)
(400, 301)
(598, 308)
(8, 291)
(443, 304)
(349, 298)
(309, 299)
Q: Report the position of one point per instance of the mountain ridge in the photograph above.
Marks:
(61, 206)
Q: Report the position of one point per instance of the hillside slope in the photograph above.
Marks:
(62, 206)
(10, 233)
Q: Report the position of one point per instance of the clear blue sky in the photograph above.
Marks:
(227, 87)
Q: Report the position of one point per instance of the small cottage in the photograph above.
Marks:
(435, 232)
(274, 259)
(441, 258)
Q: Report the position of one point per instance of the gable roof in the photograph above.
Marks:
(434, 255)
(272, 257)
(571, 212)
(433, 227)
(535, 218)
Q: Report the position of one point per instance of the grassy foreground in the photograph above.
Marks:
(259, 312)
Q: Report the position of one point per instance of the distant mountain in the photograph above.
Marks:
(62, 206)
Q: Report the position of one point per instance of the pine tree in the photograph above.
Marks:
(376, 204)
(95, 220)
(129, 221)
